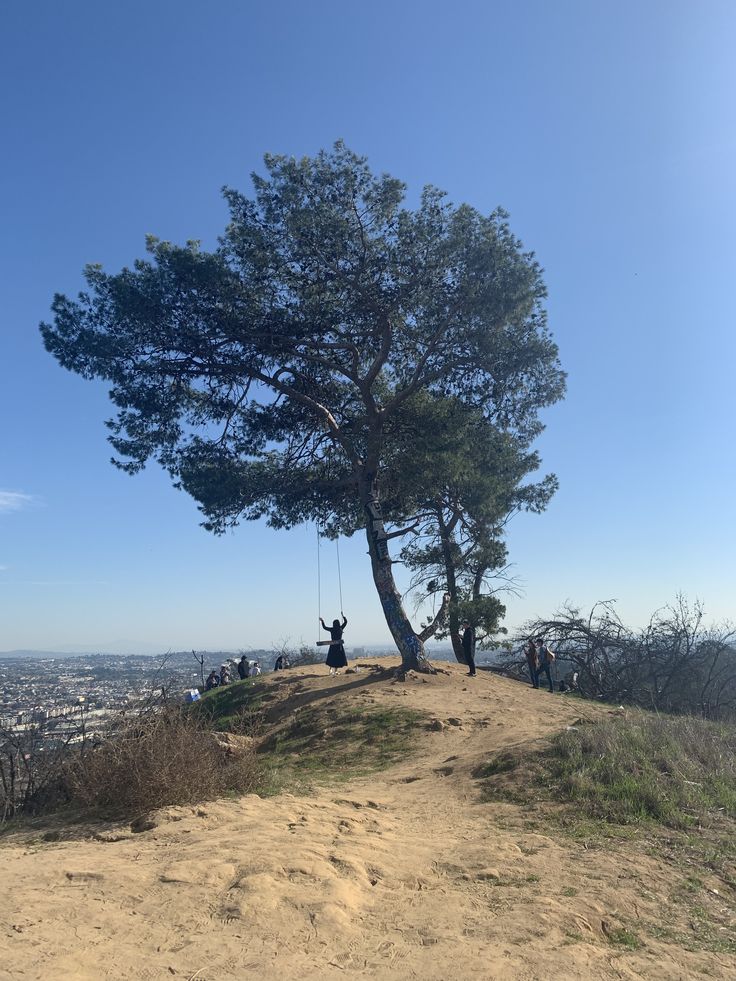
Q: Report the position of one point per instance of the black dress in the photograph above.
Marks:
(469, 648)
(336, 654)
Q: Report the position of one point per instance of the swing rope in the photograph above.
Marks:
(319, 585)
(319, 579)
(339, 574)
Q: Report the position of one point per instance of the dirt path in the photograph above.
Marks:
(403, 874)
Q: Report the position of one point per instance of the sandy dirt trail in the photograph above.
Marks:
(401, 874)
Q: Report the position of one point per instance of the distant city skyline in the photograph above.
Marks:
(606, 130)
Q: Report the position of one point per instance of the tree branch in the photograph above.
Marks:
(403, 531)
(272, 381)
(431, 629)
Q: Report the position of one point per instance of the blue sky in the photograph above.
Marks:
(606, 129)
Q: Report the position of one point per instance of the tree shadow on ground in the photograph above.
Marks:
(292, 697)
(57, 827)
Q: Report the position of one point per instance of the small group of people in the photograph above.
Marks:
(226, 675)
(540, 660)
(248, 669)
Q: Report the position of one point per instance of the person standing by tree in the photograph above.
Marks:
(336, 657)
(469, 648)
(532, 659)
(546, 660)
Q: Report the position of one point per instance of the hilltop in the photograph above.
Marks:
(383, 848)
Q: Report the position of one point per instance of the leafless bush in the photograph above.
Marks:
(32, 760)
(163, 758)
(147, 755)
(675, 664)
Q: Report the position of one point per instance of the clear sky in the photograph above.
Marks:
(606, 129)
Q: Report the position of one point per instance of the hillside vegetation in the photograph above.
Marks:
(437, 827)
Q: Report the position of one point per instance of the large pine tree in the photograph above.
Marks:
(266, 375)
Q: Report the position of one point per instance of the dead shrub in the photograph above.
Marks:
(163, 758)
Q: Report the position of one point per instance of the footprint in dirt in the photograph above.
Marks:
(226, 914)
(375, 875)
(343, 868)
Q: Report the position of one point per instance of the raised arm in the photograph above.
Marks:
(323, 624)
(344, 622)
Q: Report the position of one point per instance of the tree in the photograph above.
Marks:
(474, 482)
(674, 664)
(265, 375)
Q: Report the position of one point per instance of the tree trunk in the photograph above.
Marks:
(410, 646)
(457, 643)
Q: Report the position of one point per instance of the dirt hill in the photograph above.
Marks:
(401, 872)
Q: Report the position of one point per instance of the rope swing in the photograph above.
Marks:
(319, 585)
(339, 574)
(322, 643)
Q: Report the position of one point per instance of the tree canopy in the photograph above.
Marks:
(270, 376)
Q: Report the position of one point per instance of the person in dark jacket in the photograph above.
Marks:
(213, 681)
(532, 659)
(243, 668)
(469, 648)
(336, 654)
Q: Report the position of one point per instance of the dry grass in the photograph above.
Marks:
(666, 782)
(161, 759)
(676, 770)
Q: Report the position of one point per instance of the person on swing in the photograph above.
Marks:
(336, 654)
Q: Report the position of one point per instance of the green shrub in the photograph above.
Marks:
(674, 770)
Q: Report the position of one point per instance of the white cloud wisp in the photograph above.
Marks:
(14, 501)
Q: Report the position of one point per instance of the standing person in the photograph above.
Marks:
(336, 657)
(546, 660)
(243, 668)
(225, 678)
(532, 659)
(469, 647)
